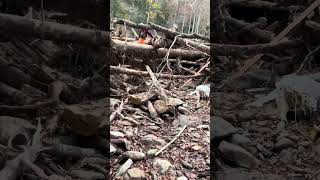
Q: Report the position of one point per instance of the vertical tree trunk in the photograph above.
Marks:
(189, 29)
(199, 19)
(184, 16)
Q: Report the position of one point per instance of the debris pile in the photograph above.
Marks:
(265, 111)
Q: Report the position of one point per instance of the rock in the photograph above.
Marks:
(162, 106)
(123, 168)
(151, 139)
(250, 79)
(152, 152)
(179, 173)
(163, 164)
(182, 178)
(204, 126)
(134, 155)
(112, 149)
(140, 98)
(135, 174)
(288, 156)
(116, 134)
(129, 134)
(283, 143)
(186, 164)
(221, 128)
(196, 147)
(16, 131)
(183, 120)
(238, 155)
(121, 143)
(85, 119)
(183, 110)
(241, 140)
(153, 128)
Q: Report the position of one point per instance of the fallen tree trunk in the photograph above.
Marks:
(161, 29)
(262, 35)
(52, 31)
(235, 50)
(115, 69)
(149, 51)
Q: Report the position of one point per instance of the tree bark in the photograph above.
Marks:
(52, 31)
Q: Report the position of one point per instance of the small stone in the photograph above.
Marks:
(134, 155)
(283, 143)
(153, 128)
(179, 173)
(151, 139)
(112, 149)
(183, 120)
(203, 127)
(182, 178)
(184, 110)
(135, 174)
(163, 164)
(123, 168)
(116, 134)
(186, 164)
(221, 128)
(152, 152)
(241, 140)
(287, 156)
(238, 155)
(129, 134)
(196, 147)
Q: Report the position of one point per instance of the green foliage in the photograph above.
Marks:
(137, 10)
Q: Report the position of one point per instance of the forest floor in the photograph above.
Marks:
(187, 156)
(273, 149)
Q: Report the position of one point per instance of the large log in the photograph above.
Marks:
(166, 31)
(262, 35)
(143, 50)
(13, 25)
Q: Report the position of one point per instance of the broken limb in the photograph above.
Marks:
(115, 69)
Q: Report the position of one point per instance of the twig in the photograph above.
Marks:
(156, 83)
(175, 138)
(201, 69)
(306, 59)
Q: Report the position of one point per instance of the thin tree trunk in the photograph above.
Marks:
(189, 29)
(184, 16)
(199, 19)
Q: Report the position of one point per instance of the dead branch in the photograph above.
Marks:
(250, 62)
(115, 69)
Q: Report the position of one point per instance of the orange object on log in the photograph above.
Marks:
(141, 41)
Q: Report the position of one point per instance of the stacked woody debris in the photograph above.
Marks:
(265, 111)
(52, 122)
(160, 118)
